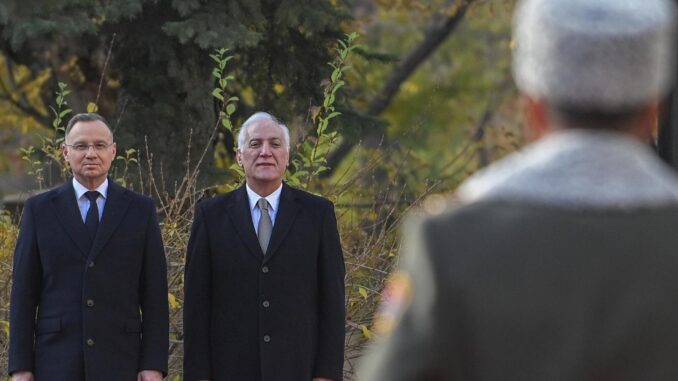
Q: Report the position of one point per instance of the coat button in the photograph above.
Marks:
(267, 339)
(90, 264)
(90, 342)
(90, 303)
(264, 269)
(265, 303)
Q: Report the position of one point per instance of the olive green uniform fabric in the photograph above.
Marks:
(558, 263)
(518, 292)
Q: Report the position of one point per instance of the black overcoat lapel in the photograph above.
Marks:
(241, 218)
(288, 208)
(115, 209)
(68, 214)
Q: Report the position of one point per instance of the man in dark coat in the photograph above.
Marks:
(559, 262)
(264, 295)
(89, 260)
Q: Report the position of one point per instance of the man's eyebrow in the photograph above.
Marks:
(94, 141)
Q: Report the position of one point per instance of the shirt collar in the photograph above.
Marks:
(273, 198)
(81, 189)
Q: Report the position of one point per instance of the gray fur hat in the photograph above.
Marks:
(602, 55)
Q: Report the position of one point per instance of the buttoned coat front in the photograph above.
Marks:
(84, 310)
(250, 316)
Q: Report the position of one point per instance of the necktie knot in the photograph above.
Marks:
(92, 195)
(263, 204)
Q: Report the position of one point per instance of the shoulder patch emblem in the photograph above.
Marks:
(397, 295)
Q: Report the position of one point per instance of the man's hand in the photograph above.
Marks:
(22, 376)
(149, 375)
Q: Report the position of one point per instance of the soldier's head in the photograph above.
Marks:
(601, 64)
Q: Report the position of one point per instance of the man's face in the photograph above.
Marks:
(264, 156)
(89, 165)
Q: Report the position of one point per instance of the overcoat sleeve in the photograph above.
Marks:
(197, 302)
(330, 356)
(26, 278)
(153, 298)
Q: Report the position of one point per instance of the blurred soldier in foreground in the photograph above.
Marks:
(561, 261)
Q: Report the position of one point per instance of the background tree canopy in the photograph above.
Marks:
(145, 63)
(431, 72)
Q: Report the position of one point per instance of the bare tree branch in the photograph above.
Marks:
(434, 37)
(439, 31)
(103, 71)
(22, 102)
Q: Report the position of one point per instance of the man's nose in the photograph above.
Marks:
(91, 151)
(266, 149)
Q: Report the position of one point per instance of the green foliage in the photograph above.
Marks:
(44, 160)
(311, 153)
(435, 117)
(227, 108)
(157, 61)
(9, 231)
(19, 90)
(129, 159)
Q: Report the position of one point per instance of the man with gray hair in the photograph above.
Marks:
(559, 262)
(264, 282)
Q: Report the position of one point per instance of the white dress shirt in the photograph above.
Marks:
(273, 201)
(83, 202)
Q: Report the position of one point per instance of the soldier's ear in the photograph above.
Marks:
(536, 118)
(648, 124)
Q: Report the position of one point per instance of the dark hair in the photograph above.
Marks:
(578, 117)
(86, 117)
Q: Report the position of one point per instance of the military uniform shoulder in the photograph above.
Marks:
(438, 205)
(445, 209)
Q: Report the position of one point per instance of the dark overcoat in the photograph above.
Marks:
(84, 310)
(250, 316)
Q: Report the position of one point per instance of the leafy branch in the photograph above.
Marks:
(228, 107)
(311, 156)
(40, 160)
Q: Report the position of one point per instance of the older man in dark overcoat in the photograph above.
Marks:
(264, 296)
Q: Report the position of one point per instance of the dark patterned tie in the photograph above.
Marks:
(265, 225)
(92, 218)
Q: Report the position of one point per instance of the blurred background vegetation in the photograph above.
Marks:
(424, 99)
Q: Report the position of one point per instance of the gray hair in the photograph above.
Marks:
(258, 117)
(86, 117)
